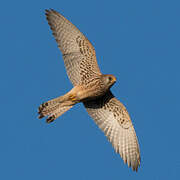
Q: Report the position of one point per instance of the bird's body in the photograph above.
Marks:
(95, 88)
(92, 89)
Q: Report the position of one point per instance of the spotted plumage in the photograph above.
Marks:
(92, 88)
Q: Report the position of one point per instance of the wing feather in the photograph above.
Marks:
(112, 117)
(78, 53)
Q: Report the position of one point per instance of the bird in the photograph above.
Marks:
(92, 88)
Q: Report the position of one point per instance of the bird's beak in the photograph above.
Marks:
(114, 79)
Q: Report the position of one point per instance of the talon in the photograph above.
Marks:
(50, 119)
(72, 97)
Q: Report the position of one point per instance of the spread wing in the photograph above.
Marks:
(112, 117)
(78, 53)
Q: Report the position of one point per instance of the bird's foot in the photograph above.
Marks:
(73, 98)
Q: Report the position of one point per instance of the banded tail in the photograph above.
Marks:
(54, 108)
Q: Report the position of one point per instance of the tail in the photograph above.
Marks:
(54, 108)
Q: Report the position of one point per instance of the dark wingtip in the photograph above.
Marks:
(47, 11)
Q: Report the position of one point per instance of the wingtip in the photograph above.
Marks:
(131, 165)
(47, 11)
(135, 168)
(50, 10)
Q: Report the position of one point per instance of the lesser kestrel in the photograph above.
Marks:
(92, 89)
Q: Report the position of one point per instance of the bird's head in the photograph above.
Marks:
(108, 80)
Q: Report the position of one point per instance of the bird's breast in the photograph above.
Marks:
(90, 92)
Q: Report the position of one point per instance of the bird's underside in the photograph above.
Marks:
(92, 89)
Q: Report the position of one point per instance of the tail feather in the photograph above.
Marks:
(53, 109)
(58, 112)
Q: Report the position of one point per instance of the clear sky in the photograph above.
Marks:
(137, 41)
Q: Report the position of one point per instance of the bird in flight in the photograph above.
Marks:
(92, 88)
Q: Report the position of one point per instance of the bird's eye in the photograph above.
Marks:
(110, 78)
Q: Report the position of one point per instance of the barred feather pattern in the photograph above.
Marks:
(78, 53)
(91, 88)
(112, 117)
(53, 109)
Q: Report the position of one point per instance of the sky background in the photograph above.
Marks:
(137, 41)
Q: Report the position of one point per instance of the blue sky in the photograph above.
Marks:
(137, 41)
